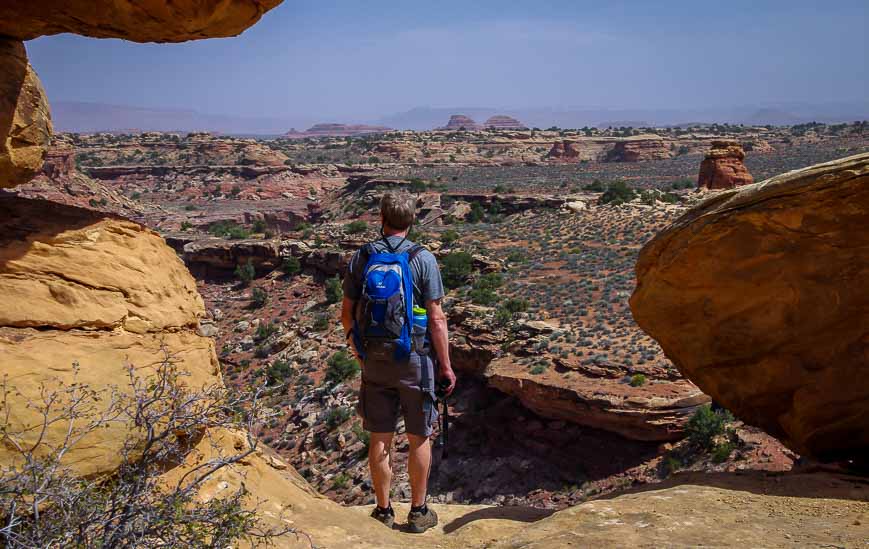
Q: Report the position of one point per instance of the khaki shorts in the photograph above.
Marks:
(389, 387)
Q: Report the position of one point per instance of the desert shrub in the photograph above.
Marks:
(355, 227)
(596, 186)
(638, 380)
(490, 281)
(186, 225)
(449, 236)
(705, 425)
(44, 504)
(258, 298)
(483, 296)
(334, 290)
(321, 323)
(245, 272)
(538, 369)
(278, 372)
(417, 185)
(341, 367)
(291, 266)
(341, 481)
(722, 451)
(336, 416)
(515, 305)
(264, 331)
(456, 268)
(617, 192)
(228, 229)
(477, 213)
(259, 226)
(363, 435)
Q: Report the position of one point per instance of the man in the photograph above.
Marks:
(390, 384)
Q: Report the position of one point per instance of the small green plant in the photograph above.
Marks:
(291, 266)
(538, 369)
(259, 226)
(483, 296)
(449, 236)
(321, 323)
(279, 371)
(456, 268)
(363, 435)
(705, 425)
(638, 380)
(341, 481)
(341, 367)
(417, 185)
(245, 272)
(258, 298)
(356, 227)
(334, 290)
(722, 451)
(264, 331)
(337, 416)
(186, 225)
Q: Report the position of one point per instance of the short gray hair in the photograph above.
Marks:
(398, 209)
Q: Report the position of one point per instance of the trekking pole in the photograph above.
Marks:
(445, 417)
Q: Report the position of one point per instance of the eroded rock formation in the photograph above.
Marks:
(639, 149)
(461, 122)
(722, 168)
(25, 122)
(88, 288)
(758, 295)
(503, 122)
(131, 20)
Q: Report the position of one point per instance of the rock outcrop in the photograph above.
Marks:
(687, 511)
(503, 122)
(461, 122)
(336, 130)
(131, 20)
(563, 150)
(722, 168)
(89, 288)
(758, 296)
(639, 149)
(25, 122)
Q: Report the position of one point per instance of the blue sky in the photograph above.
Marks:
(360, 60)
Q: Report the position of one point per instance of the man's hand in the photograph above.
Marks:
(446, 373)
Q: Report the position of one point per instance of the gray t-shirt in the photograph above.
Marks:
(427, 283)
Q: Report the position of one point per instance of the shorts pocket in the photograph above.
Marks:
(360, 405)
(429, 408)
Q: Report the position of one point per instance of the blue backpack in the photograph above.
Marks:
(382, 327)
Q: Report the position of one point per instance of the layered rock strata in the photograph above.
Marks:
(723, 167)
(758, 295)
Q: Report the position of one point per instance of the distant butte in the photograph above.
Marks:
(336, 130)
(504, 122)
(461, 122)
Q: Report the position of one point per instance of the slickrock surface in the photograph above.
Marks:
(85, 287)
(25, 122)
(689, 510)
(137, 21)
(758, 296)
(723, 167)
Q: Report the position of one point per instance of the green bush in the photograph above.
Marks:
(483, 296)
(245, 273)
(449, 236)
(321, 323)
(722, 451)
(516, 305)
(259, 226)
(264, 331)
(538, 369)
(355, 227)
(337, 416)
(638, 380)
(334, 290)
(341, 481)
(363, 435)
(291, 266)
(456, 268)
(617, 192)
(417, 185)
(278, 372)
(258, 298)
(705, 425)
(490, 281)
(341, 367)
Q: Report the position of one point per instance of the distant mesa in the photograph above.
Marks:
(723, 167)
(336, 130)
(461, 122)
(504, 122)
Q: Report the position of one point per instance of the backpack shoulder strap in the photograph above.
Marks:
(414, 251)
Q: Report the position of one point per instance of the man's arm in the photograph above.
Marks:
(347, 308)
(440, 339)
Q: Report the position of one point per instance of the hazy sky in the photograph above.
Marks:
(357, 60)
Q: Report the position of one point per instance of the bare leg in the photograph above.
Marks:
(418, 464)
(378, 463)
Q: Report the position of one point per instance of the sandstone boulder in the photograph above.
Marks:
(758, 296)
(25, 121)
(137, 21)
(88, 288)
(723, 167)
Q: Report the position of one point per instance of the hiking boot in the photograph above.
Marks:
(386, 516)
(420, 521)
